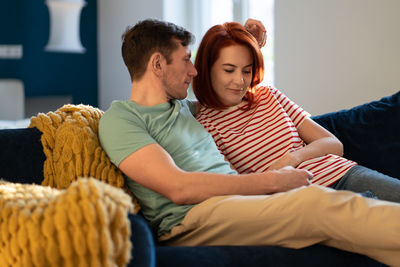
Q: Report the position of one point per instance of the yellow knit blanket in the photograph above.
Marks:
(84, 225)
(72, 148)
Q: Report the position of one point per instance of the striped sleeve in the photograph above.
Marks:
(294, 111)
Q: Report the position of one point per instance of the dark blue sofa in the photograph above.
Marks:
(370, 134)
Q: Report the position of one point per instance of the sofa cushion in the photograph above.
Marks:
(370, 133)
(21, 155)
(72, 148)
(249, 256)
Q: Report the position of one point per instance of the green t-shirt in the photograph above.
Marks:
(126, 127)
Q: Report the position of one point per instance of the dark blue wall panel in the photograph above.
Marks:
(45, 73)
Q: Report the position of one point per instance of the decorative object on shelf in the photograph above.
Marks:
(65, 25)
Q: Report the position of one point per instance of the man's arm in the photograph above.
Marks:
(152, 167)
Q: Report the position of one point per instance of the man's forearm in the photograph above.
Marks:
(183, 187)
(197, 187)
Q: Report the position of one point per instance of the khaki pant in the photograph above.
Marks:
(295, 219)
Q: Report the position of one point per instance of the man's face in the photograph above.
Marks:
(179, 73)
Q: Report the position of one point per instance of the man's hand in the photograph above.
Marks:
(289, 178)
(257, 29)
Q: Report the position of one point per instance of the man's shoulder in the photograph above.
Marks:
(119, 108)
(183, 102)
(117, 105)
(187, 104)
(118, 114)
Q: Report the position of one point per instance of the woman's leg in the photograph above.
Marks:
(295, 219)
(361, 179)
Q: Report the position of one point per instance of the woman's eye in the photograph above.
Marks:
(247, 72)
(229, 71)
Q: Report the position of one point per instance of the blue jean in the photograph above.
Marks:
(360, 179)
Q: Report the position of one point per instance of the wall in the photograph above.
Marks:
(328, 54)
(114, 17)
(49, 73)
(331, 55)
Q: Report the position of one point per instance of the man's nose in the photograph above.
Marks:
(193, 71)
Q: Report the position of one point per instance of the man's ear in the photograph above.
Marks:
(156, 63)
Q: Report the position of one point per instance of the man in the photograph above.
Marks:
(189, 193)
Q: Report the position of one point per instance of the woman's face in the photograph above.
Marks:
(231, 74)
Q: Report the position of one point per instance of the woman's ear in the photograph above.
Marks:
(157, 62)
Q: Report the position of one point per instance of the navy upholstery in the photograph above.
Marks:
(21, 155)
(240, 256)
(143, 252)
(370, 134)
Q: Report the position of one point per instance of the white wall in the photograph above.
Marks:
(334, 54)
(329, 54)
(114, 16)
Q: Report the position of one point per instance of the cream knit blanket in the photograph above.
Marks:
(84, 225)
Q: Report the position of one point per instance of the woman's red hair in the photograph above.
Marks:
(216, 38)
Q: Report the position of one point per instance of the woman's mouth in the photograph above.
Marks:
(236, 90)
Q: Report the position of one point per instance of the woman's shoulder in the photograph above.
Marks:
(267, 89)
(263, 92)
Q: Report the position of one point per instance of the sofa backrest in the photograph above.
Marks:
(370, 133)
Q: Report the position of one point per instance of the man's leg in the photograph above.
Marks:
(360, 179)
(295, 219)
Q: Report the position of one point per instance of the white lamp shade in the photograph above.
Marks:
(64, 26)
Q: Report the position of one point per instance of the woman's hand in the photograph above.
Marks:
(289, 159)
(257, 29)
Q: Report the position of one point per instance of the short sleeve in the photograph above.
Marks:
(122, 132)
(294, 111)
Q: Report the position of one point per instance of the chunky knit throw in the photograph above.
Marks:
(83, 225)
(72, 148)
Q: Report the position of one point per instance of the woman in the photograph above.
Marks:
(258, 128)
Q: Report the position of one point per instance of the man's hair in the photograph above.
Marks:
(215, 39)
(147, 37)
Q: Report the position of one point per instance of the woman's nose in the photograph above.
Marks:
(239, 79)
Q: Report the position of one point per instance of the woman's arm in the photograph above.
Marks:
(319, 142)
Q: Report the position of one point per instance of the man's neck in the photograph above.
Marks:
(148, 92)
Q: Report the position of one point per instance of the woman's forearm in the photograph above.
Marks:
(318, 148)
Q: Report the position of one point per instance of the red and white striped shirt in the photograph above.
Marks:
(253, 140)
